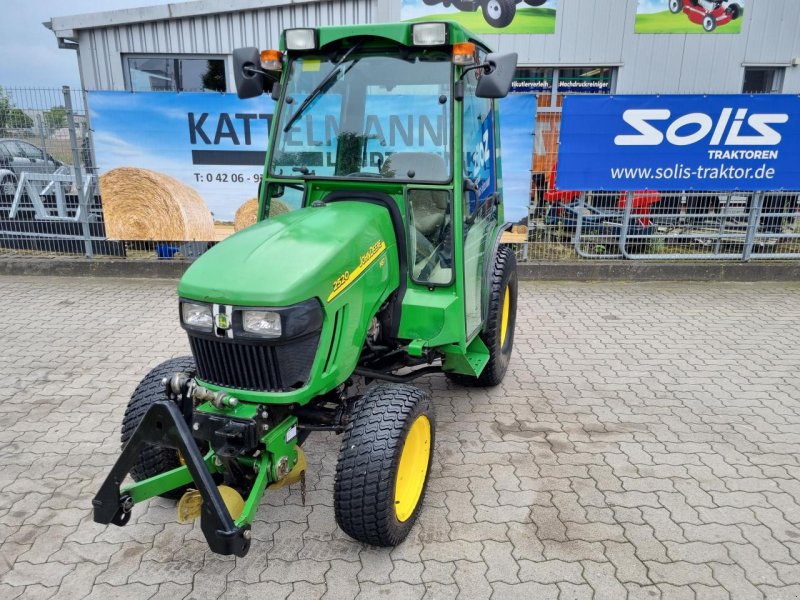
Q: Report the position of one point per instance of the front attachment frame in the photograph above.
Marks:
(164, 425)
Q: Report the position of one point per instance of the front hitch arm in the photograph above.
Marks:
(164, 425)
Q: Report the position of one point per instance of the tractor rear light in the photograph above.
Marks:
(429, 34)
(197, 316)
(264, 323)
(464, 53)
(272, 60)
(301, 39)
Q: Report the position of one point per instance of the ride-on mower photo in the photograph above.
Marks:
(498, 13)
(383, 142)
(708, 13)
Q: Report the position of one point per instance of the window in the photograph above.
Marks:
(763, 80)
(552, 84)
(172, 74)
(534, 80)
(14, 149)
(379, 115)
(31, 151)
(583, 80)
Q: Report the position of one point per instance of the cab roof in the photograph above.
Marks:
(399, 33)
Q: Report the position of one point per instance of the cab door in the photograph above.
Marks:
(479, 197)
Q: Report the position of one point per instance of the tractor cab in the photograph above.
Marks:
(405, 111)
(384, 265)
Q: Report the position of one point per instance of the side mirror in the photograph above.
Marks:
(497, 82)
(248, 74)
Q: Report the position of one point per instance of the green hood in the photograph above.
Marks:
(289, 258)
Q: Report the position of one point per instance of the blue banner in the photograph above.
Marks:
(719, 143)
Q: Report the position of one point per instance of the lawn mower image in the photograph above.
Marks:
(498, 13)
(317, 319)
(708, 13)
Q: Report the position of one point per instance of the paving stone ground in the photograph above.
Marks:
(644, 444)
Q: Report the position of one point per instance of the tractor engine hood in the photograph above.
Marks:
(306, 253)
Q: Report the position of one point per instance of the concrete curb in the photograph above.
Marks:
(600, 270)
(660, 271)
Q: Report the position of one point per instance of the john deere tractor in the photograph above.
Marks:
(384, 144)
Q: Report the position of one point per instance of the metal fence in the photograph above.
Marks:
(664, 226)
(50, 202)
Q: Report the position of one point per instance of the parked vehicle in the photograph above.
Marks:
(710, 14)
(18, 157)
(498, 13)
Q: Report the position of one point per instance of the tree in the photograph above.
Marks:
(56, 117)
(10, 116)
(214, 77)
(18, 119)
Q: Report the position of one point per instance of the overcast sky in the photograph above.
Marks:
(30, 54)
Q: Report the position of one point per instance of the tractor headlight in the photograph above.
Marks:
(264, 323)
(429, 34)
(251, 322)
(301, 39)
(197, 316)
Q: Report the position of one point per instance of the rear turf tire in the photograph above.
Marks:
(499, 339)
(384, 463)
(153, 460)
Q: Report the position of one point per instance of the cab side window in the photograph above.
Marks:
(430, 236)
(478, 151)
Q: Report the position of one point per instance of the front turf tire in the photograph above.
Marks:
(384, 464)
(498, 332)
(152, 460)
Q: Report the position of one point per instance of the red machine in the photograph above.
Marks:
(708, 13)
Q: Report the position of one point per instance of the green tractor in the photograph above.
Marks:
(387, 266)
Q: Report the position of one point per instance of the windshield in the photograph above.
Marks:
(367, 114)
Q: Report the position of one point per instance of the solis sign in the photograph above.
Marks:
(714, 143)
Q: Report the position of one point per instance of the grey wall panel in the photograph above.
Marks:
(774, 32)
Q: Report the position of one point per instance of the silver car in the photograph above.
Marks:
(18, 157)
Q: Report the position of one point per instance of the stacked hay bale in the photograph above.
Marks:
(139, 204)
(247, 214)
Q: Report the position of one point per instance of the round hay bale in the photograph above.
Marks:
(139, 204)
(247, 213)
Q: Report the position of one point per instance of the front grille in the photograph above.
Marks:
(254, 365)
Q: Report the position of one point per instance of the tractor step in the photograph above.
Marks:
(467, 362)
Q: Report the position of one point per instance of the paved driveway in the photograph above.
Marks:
(644, 443)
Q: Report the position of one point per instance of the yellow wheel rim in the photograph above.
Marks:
(413, 468)
(504, 317)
